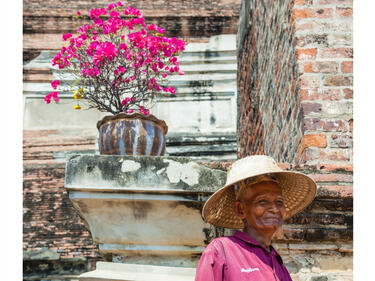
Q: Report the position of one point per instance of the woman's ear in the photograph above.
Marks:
(239, 209)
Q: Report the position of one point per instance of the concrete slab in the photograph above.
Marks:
(107, 271)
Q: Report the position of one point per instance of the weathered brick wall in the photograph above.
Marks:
(269, 108)
(311, 122)
(318, 133)
(55, 241)
(45, 21)
(302, 113)
(325, 60)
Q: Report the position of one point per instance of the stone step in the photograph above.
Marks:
(137, 272)
(203, 57)
(207, 68)
(217, 80)
(196, 90)
(202, 150)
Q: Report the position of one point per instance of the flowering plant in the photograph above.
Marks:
(119, 63)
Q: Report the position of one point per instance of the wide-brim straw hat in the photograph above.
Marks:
(298, 190)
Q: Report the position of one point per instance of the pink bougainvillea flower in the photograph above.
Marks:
(125, 101)
(122, 52)
(115, 15)
(55, 83)
(66, 36)
(47, 99)
(170, 90)
(151, 27)
(51, 95)
(96, 13)
(121, 69)
(112, 6)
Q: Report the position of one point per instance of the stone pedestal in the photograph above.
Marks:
(144, 210)
(109, 271)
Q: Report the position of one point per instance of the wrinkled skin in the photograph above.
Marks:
(262, 209)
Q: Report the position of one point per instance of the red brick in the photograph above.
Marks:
(338, 80)
(313, 39)
(299, 2)
(341, 141)
(310, 81)
(322, 155)
(337, 53)
(303, 25)
(306, 54)
(331, 177)
(340, 191)
(316, 140)
(306, 94)
(338, 154)
(312, 13)
(311, 108)
(321, 67)
(347, 66)
(316, 124)
(315, 94)
(334, 2)
(331, 94)
(333, 167)
(348, 93)
(344, 11)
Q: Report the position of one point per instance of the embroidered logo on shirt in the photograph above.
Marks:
(249, 269)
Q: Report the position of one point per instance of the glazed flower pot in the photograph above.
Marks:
(134, 134)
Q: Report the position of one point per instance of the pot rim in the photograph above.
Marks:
(133, 116)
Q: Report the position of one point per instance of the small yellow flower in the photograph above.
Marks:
(77, 107)
(77, 95)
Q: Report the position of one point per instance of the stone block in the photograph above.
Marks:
(107, 271)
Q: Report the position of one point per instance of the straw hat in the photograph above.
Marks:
(298, 190)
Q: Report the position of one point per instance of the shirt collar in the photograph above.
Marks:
(250, 240)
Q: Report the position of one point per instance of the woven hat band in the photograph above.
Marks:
(240, 187)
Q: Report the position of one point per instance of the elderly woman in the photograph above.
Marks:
(257, 197)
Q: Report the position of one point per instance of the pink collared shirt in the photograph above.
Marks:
(240, 257)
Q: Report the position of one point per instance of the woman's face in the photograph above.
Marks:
(262, 207)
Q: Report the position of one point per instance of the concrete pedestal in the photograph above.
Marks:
(144, 210)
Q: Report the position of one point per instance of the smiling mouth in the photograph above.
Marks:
(272, 220)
